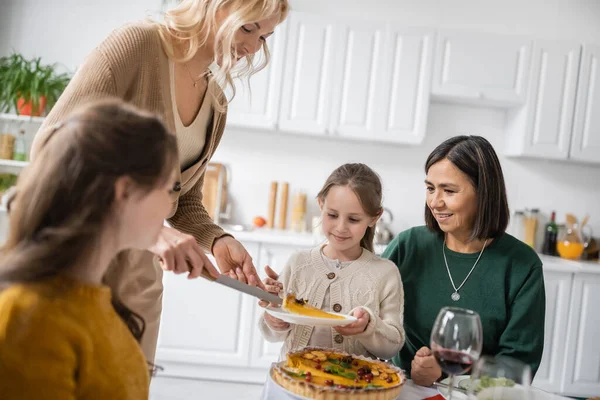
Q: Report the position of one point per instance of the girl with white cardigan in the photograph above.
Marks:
(344, 275)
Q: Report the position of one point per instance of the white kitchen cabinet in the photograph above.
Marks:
(558, 292)
(383, 83)
(406, 85)
(361, 80)
(209, 331)
(276, 256)
(205, 328)
(358, 79)
(256, 104)
(481, 68)
(582, 368)
(586, 130)
(311, 48)
(543, 127)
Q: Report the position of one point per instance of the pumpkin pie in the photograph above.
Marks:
(326, 374)
(301, 307)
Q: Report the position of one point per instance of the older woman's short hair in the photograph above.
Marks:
(477, 159)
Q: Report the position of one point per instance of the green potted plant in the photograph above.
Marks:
(27, 86)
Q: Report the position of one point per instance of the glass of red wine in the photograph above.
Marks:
(456, 341)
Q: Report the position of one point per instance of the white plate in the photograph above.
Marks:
(456, 395)
(298, 319)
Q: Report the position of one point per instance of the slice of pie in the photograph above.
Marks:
(325, 374)
(301, 307)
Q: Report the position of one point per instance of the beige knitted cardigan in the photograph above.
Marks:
(370, 282)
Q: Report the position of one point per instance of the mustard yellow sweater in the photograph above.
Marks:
(61, 339)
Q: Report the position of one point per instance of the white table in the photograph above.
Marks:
(410, 391)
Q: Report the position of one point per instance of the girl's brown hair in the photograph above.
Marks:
(64, 197)
(366, 184)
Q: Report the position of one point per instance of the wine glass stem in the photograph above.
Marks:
(450, 386)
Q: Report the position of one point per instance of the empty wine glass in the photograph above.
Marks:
(456, 341)
(500, 378)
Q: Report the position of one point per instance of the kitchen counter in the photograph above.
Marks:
(558, 264)
(276, 236)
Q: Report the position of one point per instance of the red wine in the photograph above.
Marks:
(453, 362)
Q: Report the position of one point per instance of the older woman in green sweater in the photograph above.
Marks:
(463, 257)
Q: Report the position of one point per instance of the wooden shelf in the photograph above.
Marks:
(21, 118)
(13, 164)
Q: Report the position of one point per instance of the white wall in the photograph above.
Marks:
(65, 31)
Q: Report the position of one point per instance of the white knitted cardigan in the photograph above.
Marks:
(370, 282)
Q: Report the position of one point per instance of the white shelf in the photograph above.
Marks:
(13, 163)
(21, 118)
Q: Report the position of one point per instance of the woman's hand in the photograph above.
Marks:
(425, 369)
(357, 326)
(233, 259)
(181, 253)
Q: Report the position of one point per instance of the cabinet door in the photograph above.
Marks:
(551, 100)
(358, 79)
(307, 84)
(481, 68)
(583, 347)
(586, 132)
(550, 375)
(406, 85)
(257, 105)
(276, 256)
(203, 324)
(382, 83)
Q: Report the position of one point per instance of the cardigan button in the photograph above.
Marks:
(338, 339)
(331, 275)
(337, 307)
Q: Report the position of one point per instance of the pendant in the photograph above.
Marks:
(455, 296)
(195, 84)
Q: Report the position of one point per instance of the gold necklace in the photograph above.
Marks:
(201, 77)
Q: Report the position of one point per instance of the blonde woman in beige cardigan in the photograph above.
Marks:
(164, 68)
(344, 275)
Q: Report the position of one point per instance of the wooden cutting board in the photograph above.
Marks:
(211, 187)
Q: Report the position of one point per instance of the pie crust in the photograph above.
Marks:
(304, 373)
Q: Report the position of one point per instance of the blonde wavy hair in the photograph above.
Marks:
(191, 24)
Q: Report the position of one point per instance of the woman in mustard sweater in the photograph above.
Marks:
(164, 68)
(100, 184)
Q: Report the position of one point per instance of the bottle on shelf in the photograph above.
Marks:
(550, 237)
(7, 146)
(530, 226)
(517, 225)
(20, 152)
